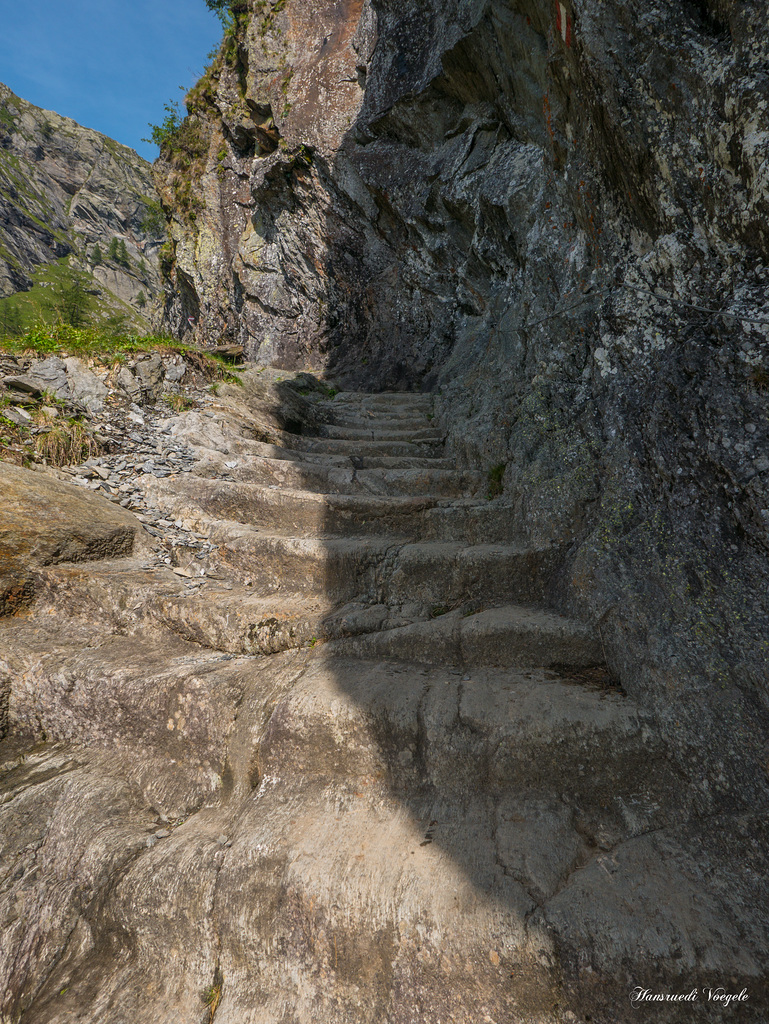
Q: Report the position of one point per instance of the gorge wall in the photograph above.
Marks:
(557, 217)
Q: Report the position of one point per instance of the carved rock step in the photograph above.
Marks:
(238, 622)
(385, 432)
(345, 479)
(437, 482)
(149, 603)
(399, 418)
(337, 446)
(240, 454)
(402, 462)
(214, 457)
(301, 512)
(512, 636)
(384, 570)
(222, 616)
(492, 730)
(74, 683)
(383, 400)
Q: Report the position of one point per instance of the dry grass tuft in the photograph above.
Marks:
(66, 443)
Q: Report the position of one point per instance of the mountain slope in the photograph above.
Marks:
(72, 197)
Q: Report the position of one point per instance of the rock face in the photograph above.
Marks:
(64, 190)
(554, 217)
(475, 759)
(359, 770)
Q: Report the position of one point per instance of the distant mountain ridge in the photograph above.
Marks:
(73, 200)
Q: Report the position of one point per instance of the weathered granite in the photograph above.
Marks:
(564, 235)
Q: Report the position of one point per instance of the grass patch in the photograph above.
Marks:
(496, 481)
(110, 346)
(59, 338)
(62, 442)
(179, 403)
(225, 372)
(212, 995)
(330, 393)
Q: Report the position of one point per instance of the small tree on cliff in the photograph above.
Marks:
(10, 320)
(118, 252)
(226, 10)
(222, 9)
(73, 304)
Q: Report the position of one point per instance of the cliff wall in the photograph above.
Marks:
(556, 216)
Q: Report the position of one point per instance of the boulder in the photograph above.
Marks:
(44, 521)
(85, 387)
(150, 373)
(18, 416)
(230, 353)
(175, 370)
(126, 381)
(50, 375)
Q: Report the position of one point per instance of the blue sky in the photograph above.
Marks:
(108, 64)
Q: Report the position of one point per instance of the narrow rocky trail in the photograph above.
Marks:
(356, 771)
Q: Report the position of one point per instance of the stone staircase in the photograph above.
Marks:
(408, 785)
(392, 546)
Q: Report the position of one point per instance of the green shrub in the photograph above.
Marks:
(166, 258)
(154, 221)
(166, 133)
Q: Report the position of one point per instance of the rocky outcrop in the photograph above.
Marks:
(552, 216)
(66, 191)
(46, 522)
(556, 217)
(54, 410)
(345, 761)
